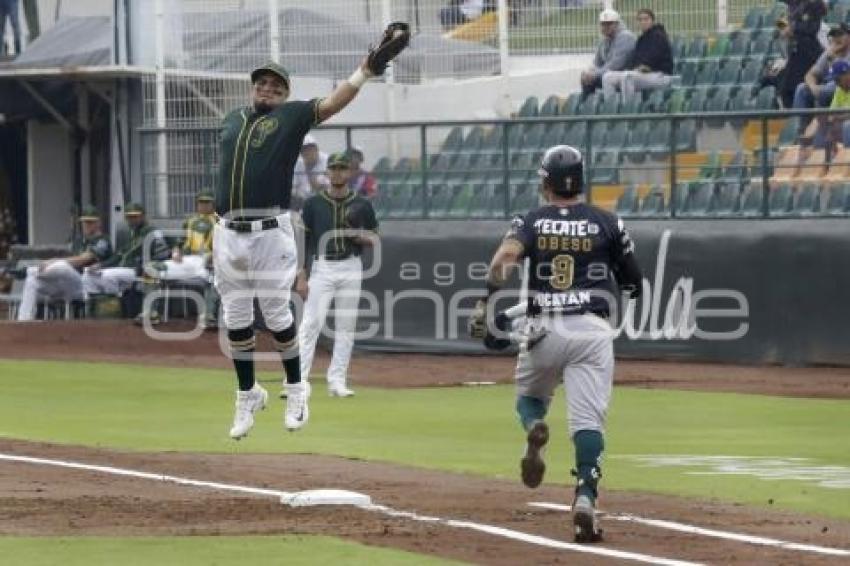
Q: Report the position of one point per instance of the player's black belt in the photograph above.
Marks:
(246, 224)
(335, 257)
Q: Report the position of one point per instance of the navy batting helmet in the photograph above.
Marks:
(563, 167)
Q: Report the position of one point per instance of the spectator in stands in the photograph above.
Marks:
(816, 90)
(774, 72)
(651, 63)
(310, 175)
(362, 181)
(804, 21)
(9, 10)
(831, 131)
(613, 54)
(458, 12)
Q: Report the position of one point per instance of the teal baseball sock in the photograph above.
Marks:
(530, 409)
(589, 446)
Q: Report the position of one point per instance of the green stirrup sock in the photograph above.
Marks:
(530, 409)
(589, 445)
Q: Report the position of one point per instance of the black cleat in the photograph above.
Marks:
(532, 465)
(584, 521)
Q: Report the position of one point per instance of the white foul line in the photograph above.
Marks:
(280, 495)
(684, 528)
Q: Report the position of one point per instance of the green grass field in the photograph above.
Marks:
(201, 551)
(150, 409)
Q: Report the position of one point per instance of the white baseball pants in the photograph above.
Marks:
(578, 351)
(262, 264)
(58, 282)
(111, 281)
(338, 281)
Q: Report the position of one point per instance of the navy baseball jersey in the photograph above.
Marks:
(578, 254)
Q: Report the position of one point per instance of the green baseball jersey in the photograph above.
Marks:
(199, 230)
(131, 253)
(323, 213)
(258, 155)
(98, 245)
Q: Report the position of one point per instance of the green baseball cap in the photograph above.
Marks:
(134, 209)
(339, 159)
(205, 196)
(89, 213)
(271, 67)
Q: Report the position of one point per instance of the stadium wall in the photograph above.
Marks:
(776, 289)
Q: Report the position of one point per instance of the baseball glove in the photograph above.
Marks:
(396, 37)
(479, 327)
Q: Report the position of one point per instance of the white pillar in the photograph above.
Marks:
(722, 15)
(161, 122)
(609, 4)
(274, 32)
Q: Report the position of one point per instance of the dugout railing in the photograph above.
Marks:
(697, 165)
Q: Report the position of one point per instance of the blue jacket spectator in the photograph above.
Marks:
(613, 54)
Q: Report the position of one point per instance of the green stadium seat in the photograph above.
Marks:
(707, 73)
(479, 205)
(754, 18)
(718, 102)
(752, 198)
(589, 105)
(780, 200)
(382, 166)
(636, 144)
(454, 141)
(729, 73)
(627, 202)
(686, 136)
(695, 198)
(739, 44)
(632, 106)
(550, 106)
(766, 99)
(698, 48)
(533, 139)
(554, 135)
(529, 108)
(676, 102)
(688, 70)
(524, 198)
(696, 101)
(655, 102)
(605, 169)
(807, 200)
(617, 136)
(598, 133)
(657, 143)
(679, 47)
(498, 207)
(761, 48)
(711, 168)
(719, 48)
(653, 204)
(474, 139)
(439, 200)
(838, 200)
(576, 135)
(460, 203)
(609, 106)
(726, 200)
(570, 106)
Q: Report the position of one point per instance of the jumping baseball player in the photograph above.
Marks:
(61, 279)
(578, 256)
(329, 219)
(254, 250)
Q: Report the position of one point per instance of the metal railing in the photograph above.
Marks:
(671, 172)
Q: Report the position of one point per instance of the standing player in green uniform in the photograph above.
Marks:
(254, 251)
(60, 279)
(337, 224)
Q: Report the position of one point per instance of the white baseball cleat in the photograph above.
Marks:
(297, 413)
(247, 403)
(340, 391)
